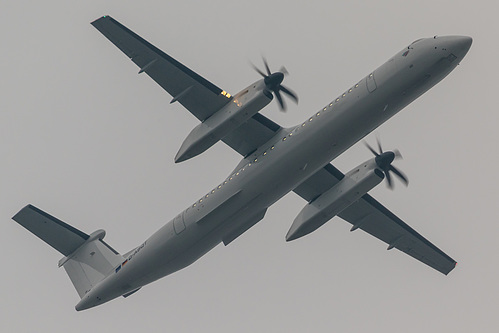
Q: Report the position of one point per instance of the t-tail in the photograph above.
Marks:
(87, 258)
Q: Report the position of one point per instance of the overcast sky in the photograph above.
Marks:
(86, 139)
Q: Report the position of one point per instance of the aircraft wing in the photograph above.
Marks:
(372, 217)
(196, 94)
(201, 97)
(252, 134)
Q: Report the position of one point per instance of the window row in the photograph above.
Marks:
(266, 152)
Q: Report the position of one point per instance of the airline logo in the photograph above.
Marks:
(137, 250)
(119, 267)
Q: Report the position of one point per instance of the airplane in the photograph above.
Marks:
(275, 161)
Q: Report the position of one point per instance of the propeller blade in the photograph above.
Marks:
(266, 66)
(279, 99)
(389, 180)
(397, 153)
(371, 149)
(290, 93)
(273, 83)
(284, 71)
(258, 70)
(384, 162)
(379, 145)
(401, 176)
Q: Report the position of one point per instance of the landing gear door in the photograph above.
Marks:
(179, 224)
(371, 83)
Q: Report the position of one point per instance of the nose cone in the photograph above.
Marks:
(385, 160)
(274, 80)
(459, 45)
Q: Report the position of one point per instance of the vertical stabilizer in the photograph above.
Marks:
(88, 259)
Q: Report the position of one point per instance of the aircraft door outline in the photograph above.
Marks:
(179, 224)
(371, 83)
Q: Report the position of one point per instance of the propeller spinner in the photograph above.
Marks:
(384, 161)
(273, 83)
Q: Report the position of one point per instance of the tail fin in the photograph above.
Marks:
(88, 259)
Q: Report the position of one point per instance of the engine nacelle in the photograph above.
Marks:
(242, 107)
(351, 188)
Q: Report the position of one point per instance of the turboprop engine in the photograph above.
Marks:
(242, 107)
(348, 190)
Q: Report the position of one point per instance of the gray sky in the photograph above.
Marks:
(88, 140)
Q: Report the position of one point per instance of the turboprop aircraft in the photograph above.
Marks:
(275, 161)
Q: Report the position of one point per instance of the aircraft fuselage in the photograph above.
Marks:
(282, 164)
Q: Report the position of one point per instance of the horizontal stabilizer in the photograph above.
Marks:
(61, 236)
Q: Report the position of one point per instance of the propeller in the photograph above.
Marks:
(273, 83)
(384, 161)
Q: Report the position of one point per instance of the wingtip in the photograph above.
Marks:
(100, 18)
(28, 206)
(450, 270)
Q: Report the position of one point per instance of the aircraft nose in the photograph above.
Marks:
(459, 45)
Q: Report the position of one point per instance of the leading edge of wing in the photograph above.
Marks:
(100, 23)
